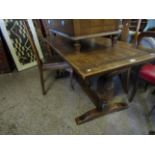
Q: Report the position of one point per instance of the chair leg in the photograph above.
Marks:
(146, 86)
(153, 108)
(72, 79)
(153, 93)
(57, 76)
(42, 81)
(133, 92)
(128, 79)
(135, 83)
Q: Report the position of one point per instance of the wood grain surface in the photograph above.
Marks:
(98, 57)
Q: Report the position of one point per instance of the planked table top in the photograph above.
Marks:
(97, 56)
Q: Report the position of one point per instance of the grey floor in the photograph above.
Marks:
(23, 109)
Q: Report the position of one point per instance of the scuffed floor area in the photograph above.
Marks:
(24, 110)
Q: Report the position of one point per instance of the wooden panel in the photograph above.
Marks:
(97, 22)
(62, 25)
(110, 28)
(92, 26)
(79, 27)
(109, 22)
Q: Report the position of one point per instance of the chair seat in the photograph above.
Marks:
(147, 73)
(56, 66)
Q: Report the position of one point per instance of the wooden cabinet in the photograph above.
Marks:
(80, 27)
(77, 30)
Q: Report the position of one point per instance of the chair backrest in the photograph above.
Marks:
(43, 32)
(45, 28)
(133, 26)
(30, 38)
(143, 35)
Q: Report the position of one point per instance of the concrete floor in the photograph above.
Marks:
(24, 110)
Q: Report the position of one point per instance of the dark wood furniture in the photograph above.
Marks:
(79, 29)
(6, 63)
(134, 23)
(53, 63)
(145, 73)
(98, 58)
(132, 27)
(149, 77)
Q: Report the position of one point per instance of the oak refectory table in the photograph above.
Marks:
(97, 58)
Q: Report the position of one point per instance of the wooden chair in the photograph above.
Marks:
(130, 30)
(146, 72)
(127, 25)
(55, 63)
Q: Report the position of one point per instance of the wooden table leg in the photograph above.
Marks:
(95, 113)
(102, 106)
(91, 93)
(77, 46)
(113, 40)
